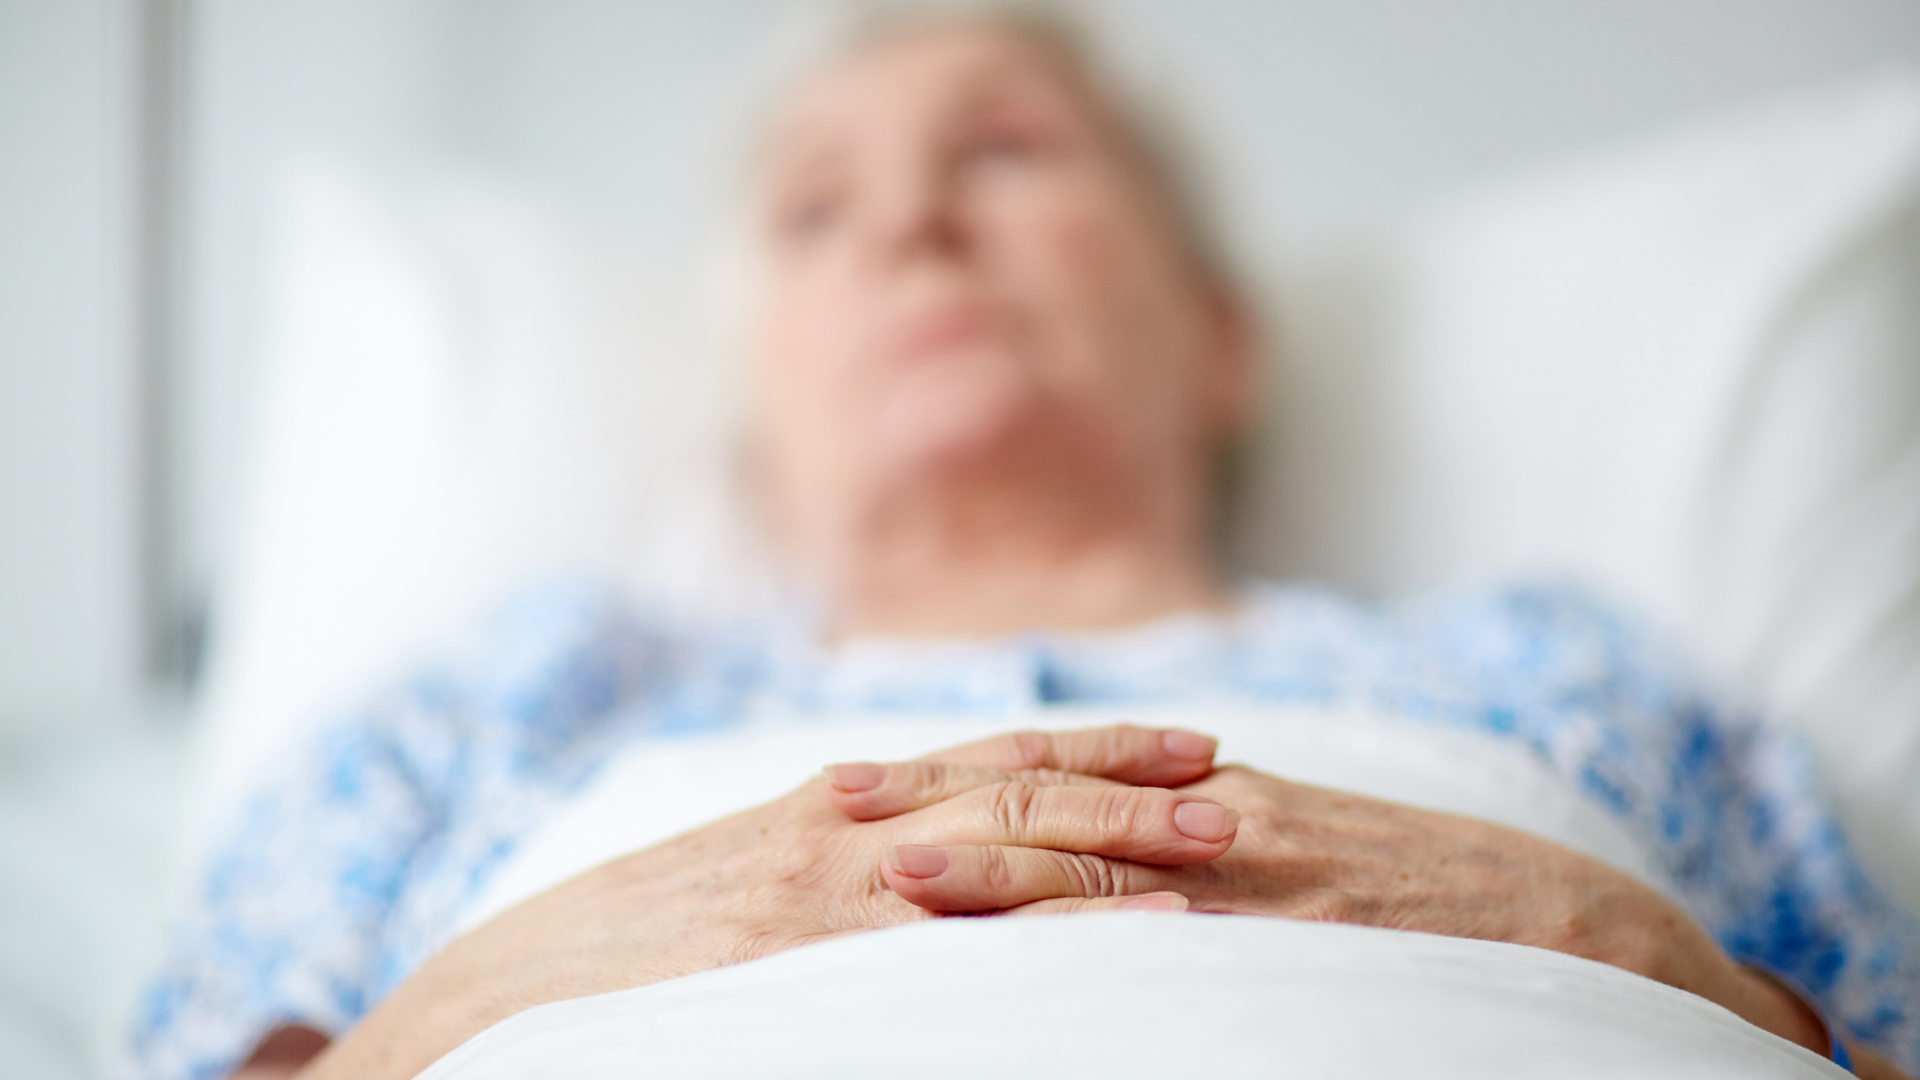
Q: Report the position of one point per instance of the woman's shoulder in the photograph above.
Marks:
(1531, 619)
(1532, 606)
(554, 660)
(1513, 633)
(569, 629)
(570, 646)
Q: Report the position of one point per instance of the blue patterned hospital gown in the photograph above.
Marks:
(348, 869)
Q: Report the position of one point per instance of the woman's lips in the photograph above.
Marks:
(930, 335)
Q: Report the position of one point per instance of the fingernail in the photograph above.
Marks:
(1188, 744)
(916, 861)
(856, 776)
(1164, 901)
(1205, 821)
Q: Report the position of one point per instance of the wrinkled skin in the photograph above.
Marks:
(1305, 852)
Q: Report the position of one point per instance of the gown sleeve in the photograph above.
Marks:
(1732, 806)
(287, 921)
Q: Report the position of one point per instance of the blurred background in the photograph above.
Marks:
(137, 142)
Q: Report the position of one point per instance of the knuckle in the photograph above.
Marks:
(1031, 749)
(1234, 774)
(927, 777)
(1110, 746)
(1114, 746)
(1122, 811)
(1044, 777)
(1265, 820)
(751, 944)
(1323, 905)
(996, 870)
(1010, 807)
(1091, 875)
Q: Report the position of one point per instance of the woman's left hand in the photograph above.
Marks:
(1306, 852)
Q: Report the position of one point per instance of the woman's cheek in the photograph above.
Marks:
(1124, 304)
(1071, 235)
(808, 334)
(803, 387)
(1053, 252)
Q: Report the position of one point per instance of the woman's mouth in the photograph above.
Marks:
(932, 334)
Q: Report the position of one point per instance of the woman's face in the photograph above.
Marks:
(966, 271)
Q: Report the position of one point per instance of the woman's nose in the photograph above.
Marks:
(918, 217)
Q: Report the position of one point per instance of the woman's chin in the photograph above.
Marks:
(939, 423)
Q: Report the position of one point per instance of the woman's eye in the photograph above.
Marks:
(808, 218)
(998, 149)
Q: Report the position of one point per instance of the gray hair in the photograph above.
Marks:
(1142, 107)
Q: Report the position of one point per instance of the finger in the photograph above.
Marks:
(1081, 905)
(1140, 824)
(1162, 757)
(994, 877)
(867, 791)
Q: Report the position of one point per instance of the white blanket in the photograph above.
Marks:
(1121, 995)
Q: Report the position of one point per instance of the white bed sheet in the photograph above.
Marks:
(87, 849)
(1141, 996)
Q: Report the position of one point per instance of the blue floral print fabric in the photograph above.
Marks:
(350, 866)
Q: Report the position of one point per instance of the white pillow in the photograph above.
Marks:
(1687, 369)
(458, 390)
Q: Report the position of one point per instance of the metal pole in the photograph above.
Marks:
(171, 617)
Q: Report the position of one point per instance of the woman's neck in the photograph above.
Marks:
(991, 597)
(1000, 559)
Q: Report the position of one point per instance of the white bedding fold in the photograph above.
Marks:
(1159, 996)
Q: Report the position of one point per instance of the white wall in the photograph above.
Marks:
(265, 78)
(68, 544)
(1337, 111)
(1346, 111)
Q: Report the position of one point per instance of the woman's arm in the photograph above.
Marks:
(789, 872)
(282, 1054)
(285, 925)
(1865, 1062)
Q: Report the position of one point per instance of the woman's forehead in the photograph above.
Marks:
(922, 76)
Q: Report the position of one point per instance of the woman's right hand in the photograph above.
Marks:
(793, 871)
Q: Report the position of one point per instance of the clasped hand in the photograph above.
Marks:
(1305, 852)
(815, 864)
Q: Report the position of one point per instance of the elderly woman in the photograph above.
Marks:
(996, 364)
